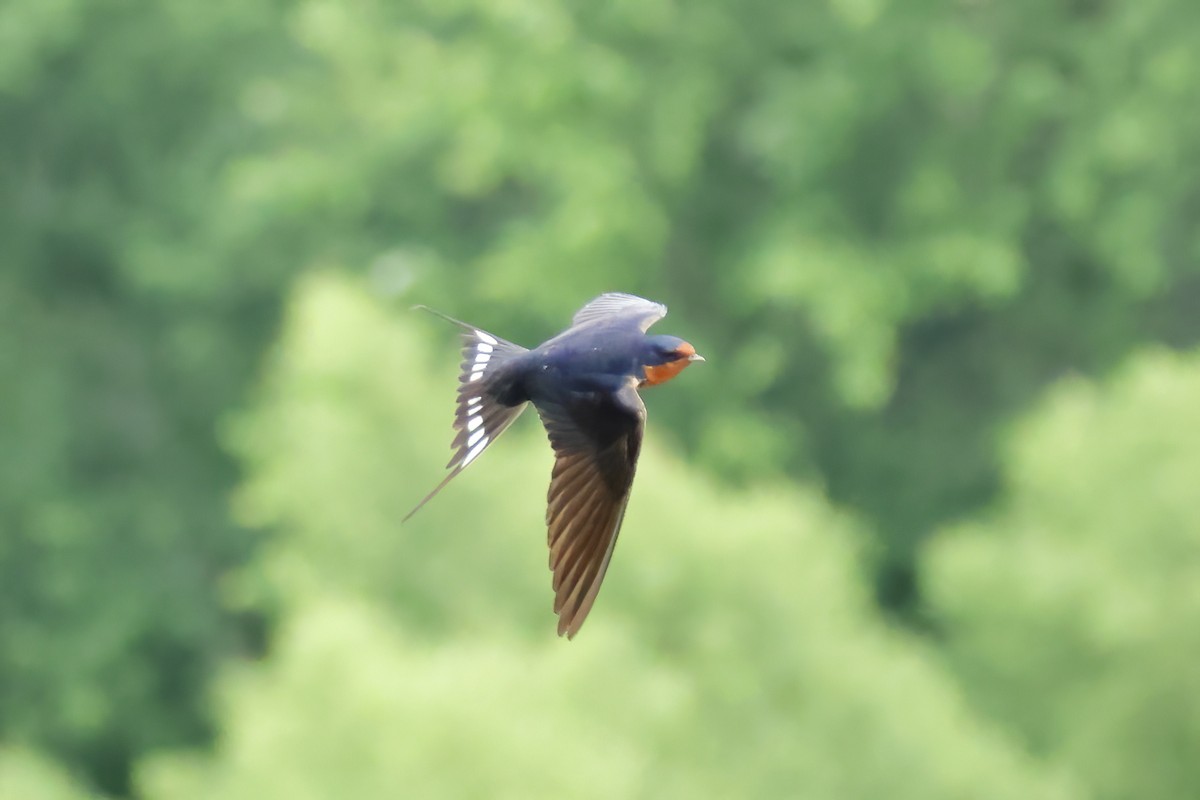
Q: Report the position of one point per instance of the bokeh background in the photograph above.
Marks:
(926, 525)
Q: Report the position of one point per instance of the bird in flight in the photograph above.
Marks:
(584, 384)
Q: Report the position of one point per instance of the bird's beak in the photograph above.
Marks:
(695, 357)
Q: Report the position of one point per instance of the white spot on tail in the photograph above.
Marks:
(475, 451)
(475, 437)
(483, 347)
(484, 337)
(474, 422)
(473, 401)
(482, 358)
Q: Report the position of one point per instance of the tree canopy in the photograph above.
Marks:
(921, 526)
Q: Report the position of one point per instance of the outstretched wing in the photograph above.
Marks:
(596, 440)
(606, 306)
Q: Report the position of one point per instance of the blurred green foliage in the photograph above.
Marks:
(890, 227)
(24, 773)
(1073, 611)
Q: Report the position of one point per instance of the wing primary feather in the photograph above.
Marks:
(572, 495)
(596, 536)
(572, 570)
(584, 558)
(574, 537)
(589, 583)
(566, 481)
(589, 599)
(572, 518)
(573, 471)
(582, 525)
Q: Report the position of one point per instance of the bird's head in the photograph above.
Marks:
(665, 357)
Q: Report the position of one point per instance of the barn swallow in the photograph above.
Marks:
(584, 384)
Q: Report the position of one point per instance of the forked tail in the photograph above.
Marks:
(485, 383)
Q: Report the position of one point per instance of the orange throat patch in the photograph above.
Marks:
(664, 372)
